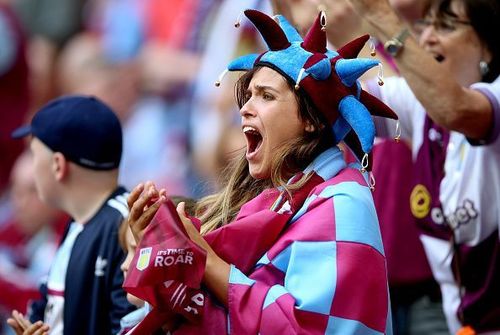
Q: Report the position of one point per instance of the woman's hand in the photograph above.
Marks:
(193, 233)
(22, 326)
(143, 202)
(216, 276)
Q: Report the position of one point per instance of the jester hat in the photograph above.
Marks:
(329, 78)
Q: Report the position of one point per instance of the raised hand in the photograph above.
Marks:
(216, 270)
(143, 202)
(371, 8)
(193, 233)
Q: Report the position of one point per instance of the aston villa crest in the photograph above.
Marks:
(144, 257)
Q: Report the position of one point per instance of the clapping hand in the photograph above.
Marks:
(143, 202)
(23, 326)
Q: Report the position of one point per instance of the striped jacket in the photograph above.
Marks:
(94, 301)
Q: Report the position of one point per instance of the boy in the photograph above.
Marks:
(76, 144)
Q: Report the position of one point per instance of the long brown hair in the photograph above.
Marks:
(239, 186)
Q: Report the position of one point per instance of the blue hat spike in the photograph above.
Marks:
(349, 70)
(291, 33)
(243, 63)
(359, 118)
(321, 70)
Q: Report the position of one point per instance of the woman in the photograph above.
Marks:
(324, 269)
(448, 103)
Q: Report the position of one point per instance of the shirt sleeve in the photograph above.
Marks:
(492, 93)
(335, 285)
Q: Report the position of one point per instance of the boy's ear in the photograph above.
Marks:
(60, 166)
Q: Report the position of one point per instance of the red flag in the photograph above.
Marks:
(168, 267)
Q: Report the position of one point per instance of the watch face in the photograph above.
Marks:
(392, 47)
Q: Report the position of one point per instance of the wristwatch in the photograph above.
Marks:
(394, 45)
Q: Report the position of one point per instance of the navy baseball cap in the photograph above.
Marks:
(84, 129)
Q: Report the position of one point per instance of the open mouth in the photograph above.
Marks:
(254, 140)
(439, 58)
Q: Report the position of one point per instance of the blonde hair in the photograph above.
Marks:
(239, 186)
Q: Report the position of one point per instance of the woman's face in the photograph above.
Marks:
(454, 43)
(131, 247)
(269, 119)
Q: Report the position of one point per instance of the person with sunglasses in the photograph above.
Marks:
(448, 102)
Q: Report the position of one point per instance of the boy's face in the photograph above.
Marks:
(42, 171)
(30, 213)
(131, 247)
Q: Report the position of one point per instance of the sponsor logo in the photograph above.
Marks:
(420, 205)
(462, 215)
(170, 257)
(144, 258)
(420, 201)
(100, 265)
